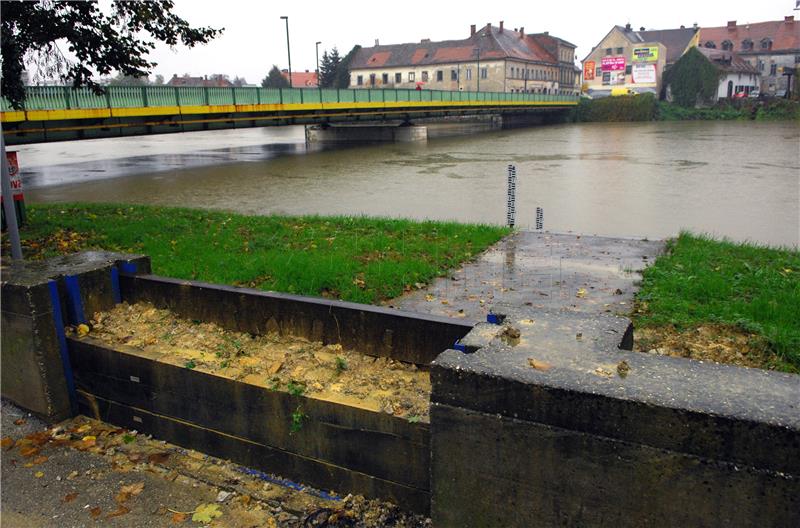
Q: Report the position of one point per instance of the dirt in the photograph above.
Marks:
(718, 343)
(117, 455)
(287, 363)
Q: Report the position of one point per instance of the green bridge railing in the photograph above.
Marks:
(64, 97)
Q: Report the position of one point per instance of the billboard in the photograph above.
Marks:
(645, 54)
(644, 73)
(612, 63)
(588, 71)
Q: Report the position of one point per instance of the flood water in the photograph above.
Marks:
(734, 179)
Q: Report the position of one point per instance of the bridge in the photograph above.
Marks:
(57, 113)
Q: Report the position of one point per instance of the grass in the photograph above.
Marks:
(701, 281)
(351, 258)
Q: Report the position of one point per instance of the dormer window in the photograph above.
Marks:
(747, 44)
(766, 44)
(710, 44)
(727, 45)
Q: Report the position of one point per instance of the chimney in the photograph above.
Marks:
(471, 30)
(522, 32)
(377, 42)
(628, 26)
(694, 26)
(641, 28)
(489, 27)
(546, 33)
(501, 27)
(789, 20)
(731, 24)
(425, 41)
(683, 27)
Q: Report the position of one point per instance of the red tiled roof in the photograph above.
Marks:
(785, 35)
(301, 79)
(729, 62)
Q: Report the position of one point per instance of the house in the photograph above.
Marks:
(491, 59)
(218, 81)
(737, 76)
(304, 79)
(768, 46)
(626, 58)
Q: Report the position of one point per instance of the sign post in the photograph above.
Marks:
(8, 205)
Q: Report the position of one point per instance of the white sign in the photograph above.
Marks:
(644, 73)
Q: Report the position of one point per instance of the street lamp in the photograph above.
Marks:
(317, 45)
(288, 49)
(478, 49)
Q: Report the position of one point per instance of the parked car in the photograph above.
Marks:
(622, 91)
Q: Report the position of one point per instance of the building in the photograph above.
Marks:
(492, 59)
(768, 46)
(304, 79)
(737, 76)
(626, 58)
(218, 81)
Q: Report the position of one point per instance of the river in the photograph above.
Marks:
(735, 179)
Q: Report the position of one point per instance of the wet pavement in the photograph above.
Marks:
(589, 274)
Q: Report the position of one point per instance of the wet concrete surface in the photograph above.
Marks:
(557, 271)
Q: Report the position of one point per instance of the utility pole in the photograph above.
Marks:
(318, 72)
(478, 49)
(8, 202)
(288, 50)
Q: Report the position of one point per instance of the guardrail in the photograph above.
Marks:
(67, 98)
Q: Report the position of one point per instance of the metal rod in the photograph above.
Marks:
(8, 202)
(288, 50)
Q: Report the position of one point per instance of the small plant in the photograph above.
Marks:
(224, 364)
(341, 365)
(274, 385)
(297, 420)
(190, 364)
(414, 419)
(295, 389)
(128, 438)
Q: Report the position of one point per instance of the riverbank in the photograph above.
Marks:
(721, 301)
(646, 107)
(356, 259)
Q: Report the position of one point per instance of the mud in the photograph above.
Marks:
(286, 363)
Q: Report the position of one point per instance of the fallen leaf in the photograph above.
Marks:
(539, 365)
(205, 513)
(429, 297)
(158, 458)
(581, 293)
(600, 371)
(19, 421)
(82, 330)
(7, 442)
(244, 499)
(133, 489)
(623, 368)
(38, 474)
(275, 367)
(95, 512)
(69, 497)
(178, 517)
(39, 460)
(121, 510)
(28, 451)
(83, 428)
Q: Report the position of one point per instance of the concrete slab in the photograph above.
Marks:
(582, 273)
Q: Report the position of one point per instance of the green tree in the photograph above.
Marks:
(127, 80)
(328, 67)
(342, 79)
(275, 79)
(100, 42)
(692, 79)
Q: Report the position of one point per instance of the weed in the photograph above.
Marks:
(341, 365)
(297, 420)
(295, 389)
(414, 419)
(128, 438)
(190, 364)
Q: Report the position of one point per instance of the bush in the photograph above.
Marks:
(623, 108)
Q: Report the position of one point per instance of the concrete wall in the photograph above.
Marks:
(365, 133)
(739, 81)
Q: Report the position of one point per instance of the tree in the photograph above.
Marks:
(127, 80)
(100, 42)
(275, 79)
(239, 81)
(342, 79)
(692, 79)
(328, 68)
(159, 80)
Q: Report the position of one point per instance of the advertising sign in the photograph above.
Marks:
(16, 180)
(612, 64)
(644, 73)
(645, 54)
(588, 71)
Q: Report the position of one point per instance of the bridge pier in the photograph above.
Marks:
(350, 133)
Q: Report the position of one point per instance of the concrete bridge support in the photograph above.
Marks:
(365, 133)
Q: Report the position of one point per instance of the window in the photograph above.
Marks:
(747, 44)
(609, 51)
(385, 78)
(398, 78)
(411, 77)
(439, 75)
(797, 60)
(425, 76)
(453, 75)
(372, 79)
(606, 77)
(727, 45)
(360, 80)
(710, 44)
(628, 69)
(773, 69)
(766, 44)
(761, 65)
(484, 73)
(469, 74)
(620, 51)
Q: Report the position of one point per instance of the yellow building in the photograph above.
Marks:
(492, 59)
(634, 60)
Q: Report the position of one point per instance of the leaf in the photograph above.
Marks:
(69, 497)
(581, 293)
(206, 512)
(38, 474)
(178, 517)
(39, 460)
(158, 458)
(95, 512)
(539, 365)
(28, 451)
(128, 438)
(19, 421)
(83, 330)
(133, 489)
(7, 442)
(121, 510)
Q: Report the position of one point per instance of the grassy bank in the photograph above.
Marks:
(739, 290)
(645, 107)
(351, 258)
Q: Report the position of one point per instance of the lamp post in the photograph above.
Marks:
(478, 73)
(288, 50)
(317, 46)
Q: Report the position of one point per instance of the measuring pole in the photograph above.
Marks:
(8, 202)
(511, 213)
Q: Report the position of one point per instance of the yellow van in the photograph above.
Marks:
(622, 91)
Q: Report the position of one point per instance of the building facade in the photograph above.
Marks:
(738, 78)
(770, 47)
(492, 59)
(636, 60)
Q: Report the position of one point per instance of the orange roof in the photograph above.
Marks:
(784, 34)
(301, 79)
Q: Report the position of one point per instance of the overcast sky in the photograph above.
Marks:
(255, 36)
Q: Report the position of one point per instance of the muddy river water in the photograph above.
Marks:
(734, 179)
